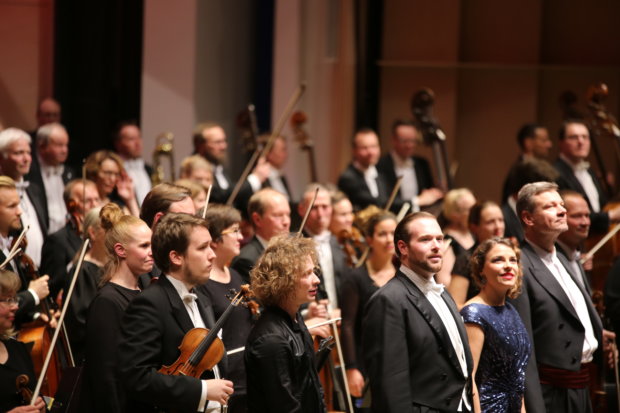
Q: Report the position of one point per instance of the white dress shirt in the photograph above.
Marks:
(29, 218)
(141, 179)
(54, 188)
(585, 179)
(189, 300)
(326, 261)
(370, 177)
(405, 167)
(576, 298)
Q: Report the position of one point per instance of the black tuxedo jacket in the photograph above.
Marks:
(35, 173)
(36, 194)
(151, 332)
(555, 330)
(247, 258)
(512, 222)
(568, 180)
(58, 251)
(420, 165)
(412, 364)
(352, 183)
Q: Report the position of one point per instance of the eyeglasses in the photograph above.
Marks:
(9, 301)
(110, 174)
(235, 231)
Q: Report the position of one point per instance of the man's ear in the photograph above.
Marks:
(527, 218)
(402, 247)
(175, 258)
(156, 218)
(256, 219)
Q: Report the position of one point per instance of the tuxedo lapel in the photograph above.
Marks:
(179, 312)
(205, 309)
(546, 279)
(461, 327)
(421, 303)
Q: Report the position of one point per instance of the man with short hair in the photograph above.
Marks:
(414, 340)
(331, 258)
(59, 249)
(128, 145)
(210, 141)
(157, 320)
(417, 186)
(48, 170)
(576, 174)
(161, 200)
(31, 291)
(48, 111)
(565, 329)
(270, 215)
(15, 161)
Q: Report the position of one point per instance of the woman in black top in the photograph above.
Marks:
(360, 284)
(128, 244)
(279, 355)
(224, 229)
(14, 356)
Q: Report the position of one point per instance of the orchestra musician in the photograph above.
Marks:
(270, 215)
(197, 169)
(576, 174)
(224, 229)
(14, 355)
(15, 161)
(31, 292)
(558, 314)
(156, 321)
(417, 186)
(279, 354)
(127, 140)
(80, 196)
(415, 345)
(360, 284)
(128, 246)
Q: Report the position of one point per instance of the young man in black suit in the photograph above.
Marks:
(156, 322)
(414, 341)
(417, 186)
(565, 329)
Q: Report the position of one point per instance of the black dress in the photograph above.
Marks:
(86, 287)
(102, 390)
(280, 364)
(234, 335)
(359, 288)
(462, 267)
(19, 362)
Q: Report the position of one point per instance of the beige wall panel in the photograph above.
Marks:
(492, 106)
(398, 84)
(421, 30)
(500, 31)
(26, 48)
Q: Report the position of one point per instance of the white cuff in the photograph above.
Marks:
(203, 397)
(255, 183)
(36, 297)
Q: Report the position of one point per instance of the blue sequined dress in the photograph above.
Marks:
(500, 377)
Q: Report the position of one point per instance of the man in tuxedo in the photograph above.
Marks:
(210, 142)
(570, 241)
(128, 145)
(48, 171)
(270, 215)
(331, 258)
(414, 341)
(157, 320)
(15, 161)
(564, 327)
(31, 292)
(576, 174)
(361, 181)
(417, 186)
(59, 249)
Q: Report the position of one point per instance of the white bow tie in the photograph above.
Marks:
(433, 288)
(582, 166)
(189, 298)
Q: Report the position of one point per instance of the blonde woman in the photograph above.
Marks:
(128, 245)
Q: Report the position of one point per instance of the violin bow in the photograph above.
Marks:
(204, 209)
(307, 214)
(387, 207)
(48, 357)
(261, 153)
(16, 249)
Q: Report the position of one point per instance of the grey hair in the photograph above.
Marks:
(45, 132)
(525, 198)
(11, 135)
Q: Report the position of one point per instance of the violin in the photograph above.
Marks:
(298, 119)
(352, 243)
(201, 349)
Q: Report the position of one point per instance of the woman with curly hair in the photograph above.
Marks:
(498, 340)
(279, 354)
